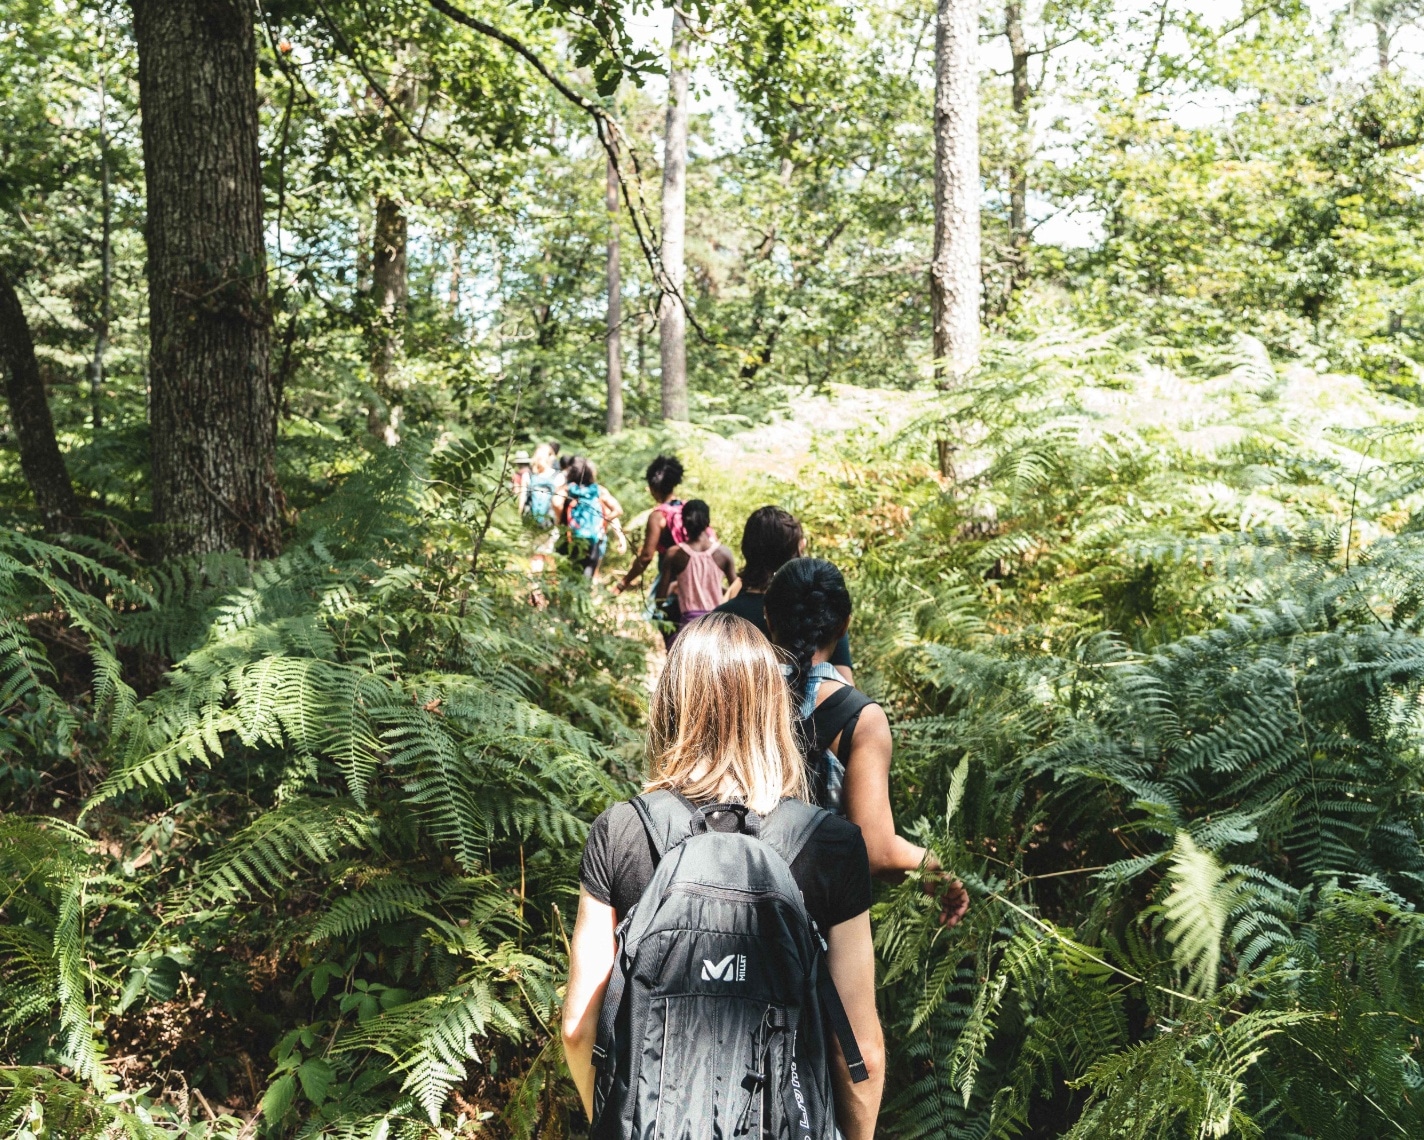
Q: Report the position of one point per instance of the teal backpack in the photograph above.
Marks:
(539, 505)
(585, 514)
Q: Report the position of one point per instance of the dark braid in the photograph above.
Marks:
(807, 608)
(696, 518)
(771, 538)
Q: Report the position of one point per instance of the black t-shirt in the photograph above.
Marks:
(833, 869)
(753, 608)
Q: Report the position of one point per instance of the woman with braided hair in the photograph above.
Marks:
(847, 735)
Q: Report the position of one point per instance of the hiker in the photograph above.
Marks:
(536, 504)
(771, 538)
(519, 478)
(697, 567)
(585, 510)
(665, 530)
(847, 734)
(696, 1016)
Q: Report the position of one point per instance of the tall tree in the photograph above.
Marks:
(1020, 147)
(672, 318)
(390, 263)
(614, 334)
(40, 457)
(955, 286)
(213, 418)
(106, 251)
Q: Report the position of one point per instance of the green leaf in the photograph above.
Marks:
(1196, 910)
(277, 1101)
(316, 1076)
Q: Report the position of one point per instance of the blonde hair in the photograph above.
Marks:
(720, 723)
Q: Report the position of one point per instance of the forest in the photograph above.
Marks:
(1085, 336)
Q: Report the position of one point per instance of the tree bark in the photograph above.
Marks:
(614, 335)
(214, 414)
(106, 260)
(1382, 38)
(1019, 153)
(40, 457)
(672, 320)
(390, 269)
(390, 287)
(457, 259)
(955, 286)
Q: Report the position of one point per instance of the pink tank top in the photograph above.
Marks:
(699, 584)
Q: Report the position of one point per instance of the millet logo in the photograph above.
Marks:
(732, 968)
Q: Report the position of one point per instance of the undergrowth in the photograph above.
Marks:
(304, 835)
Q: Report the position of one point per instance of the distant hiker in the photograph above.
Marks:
(698, 566)
(729, 922)
(537, 506)
(585, 510)
(847, 735)
(665, 531)
(771, 538)
(519, 479)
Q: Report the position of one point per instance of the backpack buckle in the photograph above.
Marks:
(749, 821)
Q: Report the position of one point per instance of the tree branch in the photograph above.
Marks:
(609, 135)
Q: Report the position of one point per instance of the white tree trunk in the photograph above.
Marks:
(672, 320)
(614, 333)
(954, 270)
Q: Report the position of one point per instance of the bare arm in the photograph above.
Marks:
(612, 508)
(675, 564)
(728, 565)
(645, 557)
(866, 797)
(590, 966)
(852, 964)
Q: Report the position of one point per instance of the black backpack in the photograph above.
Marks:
(836, 716)
(714, 1022)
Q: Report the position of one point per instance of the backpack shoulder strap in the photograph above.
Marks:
(788, 827)
(665, 816)
(832, 715)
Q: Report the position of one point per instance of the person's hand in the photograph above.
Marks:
(949, 893)
(616, 589)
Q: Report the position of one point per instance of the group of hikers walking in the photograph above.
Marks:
(722, 973)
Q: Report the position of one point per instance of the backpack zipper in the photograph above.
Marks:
(730, 894)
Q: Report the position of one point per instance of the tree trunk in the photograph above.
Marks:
(1382, 46)
(1019, 152)
(390, 272)
(614, 334)
(954, 269)
(214, 415)
(390, 286)
(40, 458)
(672, 320)
(106, 262)
(457, 259)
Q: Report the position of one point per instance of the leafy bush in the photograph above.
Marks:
(296, 835)
(1161, 668)
(327, 851)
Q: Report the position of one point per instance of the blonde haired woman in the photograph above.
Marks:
(720, 732)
